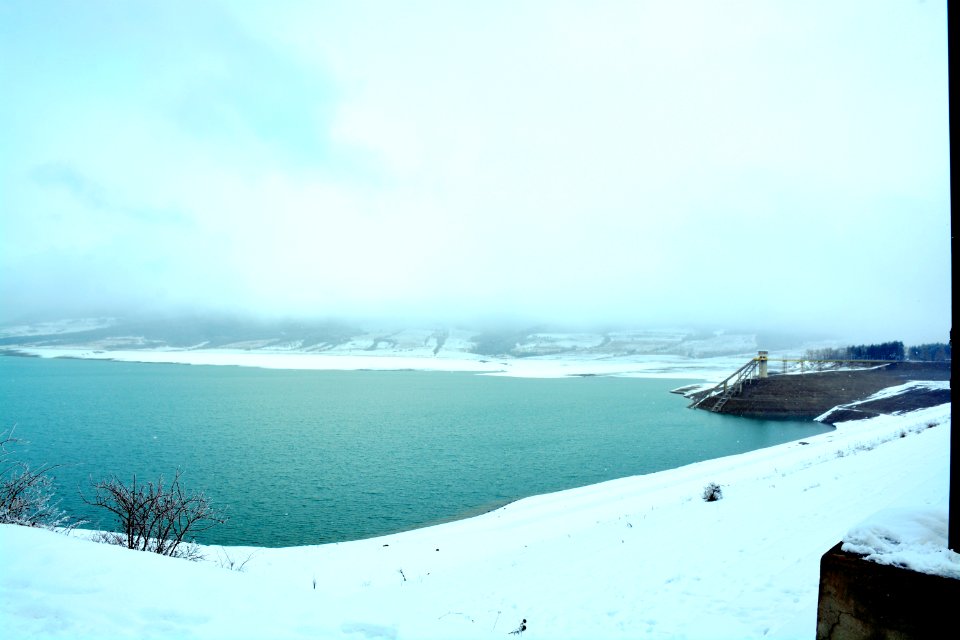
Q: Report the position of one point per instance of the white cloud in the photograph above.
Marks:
(613, 159)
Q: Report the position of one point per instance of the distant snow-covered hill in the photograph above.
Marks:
(345, 338)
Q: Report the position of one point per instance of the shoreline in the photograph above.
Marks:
(815, 394)
(640, 366)
(619, 559)
(661, 478)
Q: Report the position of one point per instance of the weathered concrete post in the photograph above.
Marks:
(860, 600)
(953, 508)
(762, 359)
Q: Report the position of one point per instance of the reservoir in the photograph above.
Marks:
(306, 457)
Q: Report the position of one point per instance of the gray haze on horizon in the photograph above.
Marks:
(765, 165)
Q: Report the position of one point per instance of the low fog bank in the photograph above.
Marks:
(465, 166)
(693, 307)
(494, 335)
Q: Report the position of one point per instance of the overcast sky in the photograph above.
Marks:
(767, 164)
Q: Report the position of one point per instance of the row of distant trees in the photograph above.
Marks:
(883, 351)
(935, 351)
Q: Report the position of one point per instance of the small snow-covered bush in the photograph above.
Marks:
(712, 492)
(27, 494)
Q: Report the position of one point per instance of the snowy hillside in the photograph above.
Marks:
(340, 338)
(637, 557)
(55, 328)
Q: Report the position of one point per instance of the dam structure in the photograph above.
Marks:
(805, 388)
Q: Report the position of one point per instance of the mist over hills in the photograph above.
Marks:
(342, 336)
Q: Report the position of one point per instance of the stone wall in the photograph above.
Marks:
(860, 599)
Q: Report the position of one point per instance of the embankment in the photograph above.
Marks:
(811, 394)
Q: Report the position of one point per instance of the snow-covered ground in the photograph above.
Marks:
(350, 339)
(889, 392)
(910, 538)
(637, 557)
(665, 366)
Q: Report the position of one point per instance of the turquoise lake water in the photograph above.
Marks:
(306, 457)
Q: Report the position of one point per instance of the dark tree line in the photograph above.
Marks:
(883, 351)
(933, 352)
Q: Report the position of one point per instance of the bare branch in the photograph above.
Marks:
(27, 494)
(156, 517)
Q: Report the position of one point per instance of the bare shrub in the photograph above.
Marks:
(227, 562)
(27, 494)
(712, 492)
(155, 517)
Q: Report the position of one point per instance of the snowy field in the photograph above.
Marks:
(664, 366)
(675, 353)
(639, 557)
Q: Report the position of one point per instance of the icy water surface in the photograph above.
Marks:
(304, 457)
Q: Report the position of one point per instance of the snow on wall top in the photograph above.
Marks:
(914, 539)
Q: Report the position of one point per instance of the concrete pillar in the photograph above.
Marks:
(863, 600)
(762, 359)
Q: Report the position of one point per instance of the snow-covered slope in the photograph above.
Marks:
(337, 338)
(637, 557)
(56, 328)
